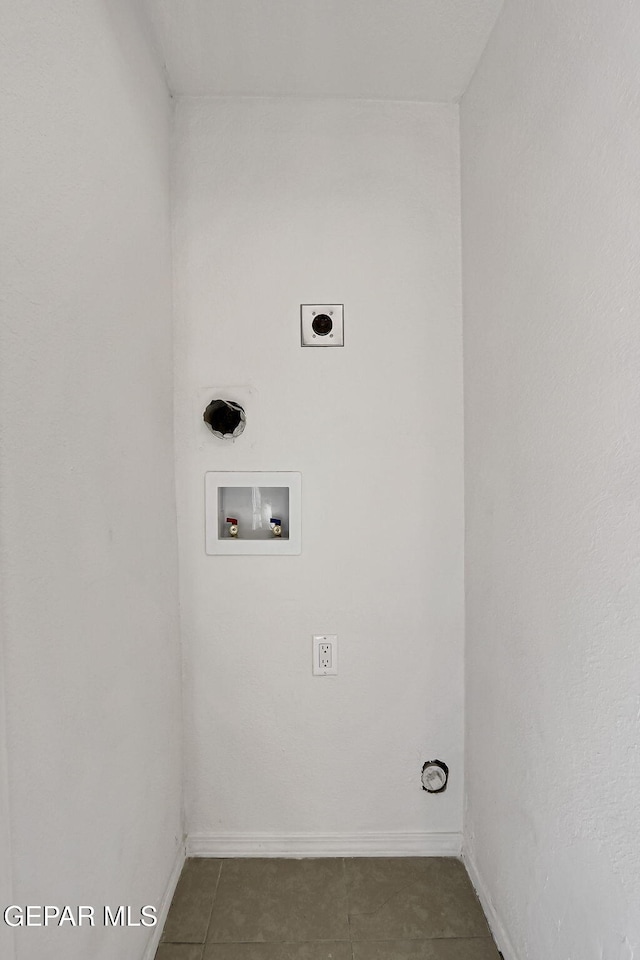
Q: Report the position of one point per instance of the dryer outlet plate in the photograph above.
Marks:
(322, 324)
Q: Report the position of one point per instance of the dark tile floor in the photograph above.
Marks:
(342, 909)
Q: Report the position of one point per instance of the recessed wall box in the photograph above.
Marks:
(322, 324)
(252, 503)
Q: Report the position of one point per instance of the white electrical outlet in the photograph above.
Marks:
(325, 655)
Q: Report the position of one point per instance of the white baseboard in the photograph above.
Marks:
(165, 903)
(498, 930)
(324, 845)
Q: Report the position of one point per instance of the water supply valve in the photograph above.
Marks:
(233, 526)
(276, 529)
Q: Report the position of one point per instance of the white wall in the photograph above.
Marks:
(88, 522)
(551, 214)
(6, 873)
(279, 203)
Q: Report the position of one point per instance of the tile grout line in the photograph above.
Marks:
(392, 940)
(346, 893)
(213, 901)
(260, 943)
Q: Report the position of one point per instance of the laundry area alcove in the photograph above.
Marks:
(318, 480)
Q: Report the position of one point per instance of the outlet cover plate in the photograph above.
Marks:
(325, 661)
(333, 324)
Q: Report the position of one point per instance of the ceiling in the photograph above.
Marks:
(374, 49)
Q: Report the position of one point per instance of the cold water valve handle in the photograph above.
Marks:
(233, 529)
